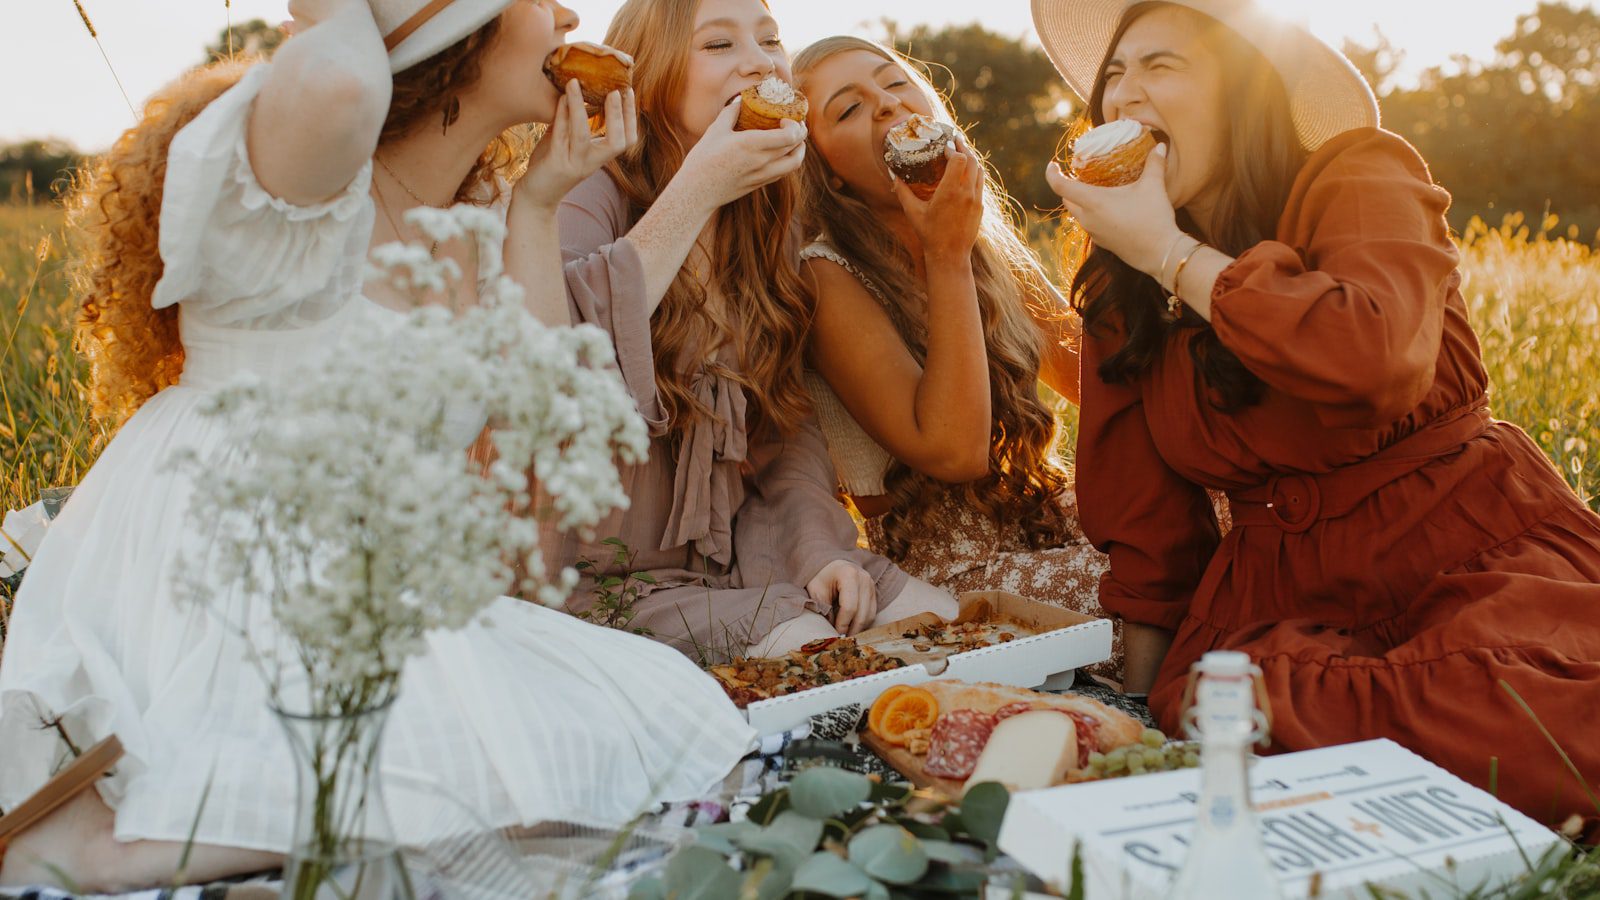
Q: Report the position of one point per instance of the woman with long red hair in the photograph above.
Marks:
(227, 232)
(683, 250)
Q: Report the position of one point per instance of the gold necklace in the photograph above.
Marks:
(433, 250)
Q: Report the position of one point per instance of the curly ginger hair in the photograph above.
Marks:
(114, 212)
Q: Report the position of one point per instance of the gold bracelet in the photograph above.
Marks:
(1174, 302)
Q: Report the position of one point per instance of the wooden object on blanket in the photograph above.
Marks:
(71, 781)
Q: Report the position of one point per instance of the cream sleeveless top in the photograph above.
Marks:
(859, 462)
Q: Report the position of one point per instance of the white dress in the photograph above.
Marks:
(534, 716)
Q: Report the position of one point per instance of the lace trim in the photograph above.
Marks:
(252, 196)
(824, 250)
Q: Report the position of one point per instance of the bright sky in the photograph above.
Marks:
(54, 83)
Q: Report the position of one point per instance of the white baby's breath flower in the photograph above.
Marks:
(347, 519)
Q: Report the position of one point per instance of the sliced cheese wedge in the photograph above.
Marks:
(1028, 751)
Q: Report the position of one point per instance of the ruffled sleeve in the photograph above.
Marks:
(1345, 310)
(1157, 527)
(235, 255)
(605, 285)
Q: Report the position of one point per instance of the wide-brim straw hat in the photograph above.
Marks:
(414, 30)
(1327, 95)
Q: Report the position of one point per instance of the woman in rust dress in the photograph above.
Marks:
(1273, 310)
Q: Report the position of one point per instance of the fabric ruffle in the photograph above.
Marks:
(234, 254)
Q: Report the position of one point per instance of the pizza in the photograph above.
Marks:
(828, 661)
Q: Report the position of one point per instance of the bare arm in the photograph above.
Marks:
(566, 155)
(723, 166)
(935, 419)
(317, 119)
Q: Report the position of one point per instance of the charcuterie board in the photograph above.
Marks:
(910, 765)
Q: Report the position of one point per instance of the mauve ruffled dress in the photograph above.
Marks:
(730, 524)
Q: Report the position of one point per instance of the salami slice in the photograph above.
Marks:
(1012, 709)
(1088, 736)
(957, 741)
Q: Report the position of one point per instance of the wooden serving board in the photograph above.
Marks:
(910, 765)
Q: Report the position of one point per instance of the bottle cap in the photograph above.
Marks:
(1225, 664)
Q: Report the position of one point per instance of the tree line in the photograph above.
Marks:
(1510, 134)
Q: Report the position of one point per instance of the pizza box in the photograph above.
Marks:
(1045, 660)
(1333, 820)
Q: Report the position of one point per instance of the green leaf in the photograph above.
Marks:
(649, 888)
(825, 873)
(889, 853)
(983, 809)
(923, 829)
(891, 792)
(959, 882)
(698, 873)
(771, 879)
(800, 832)
(767, 808)
(825, 792)
(724, 837)
(952, 853)
(615, 542)
(645, 577)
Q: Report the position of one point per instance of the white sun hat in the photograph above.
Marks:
(1327, 96)
(414, 30)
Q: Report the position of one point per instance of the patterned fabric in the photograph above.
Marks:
(961, 549)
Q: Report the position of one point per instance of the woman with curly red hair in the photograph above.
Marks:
(227, 233)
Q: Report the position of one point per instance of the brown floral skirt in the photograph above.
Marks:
(960, 549)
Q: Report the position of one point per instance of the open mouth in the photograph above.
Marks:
(1161, 137)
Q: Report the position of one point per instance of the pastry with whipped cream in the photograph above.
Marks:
(915, 151)
(764, 106)
(599, 70)
(1112, 154)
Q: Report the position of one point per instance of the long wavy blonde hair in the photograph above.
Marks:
(1025, 471)
(769, 313)
(114, 213)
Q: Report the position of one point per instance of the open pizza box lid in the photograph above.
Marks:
(1045, 660)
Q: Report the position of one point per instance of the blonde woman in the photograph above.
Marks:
(682, 250)
(241, 207)
(934, 325)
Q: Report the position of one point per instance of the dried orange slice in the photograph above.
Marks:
(875, 715)
(912, 709)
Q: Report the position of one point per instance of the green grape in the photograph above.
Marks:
(1096, 758)
(1191, 759)
(1152, 738)
(1116, 763)
(1136, 765)
(1154, 758)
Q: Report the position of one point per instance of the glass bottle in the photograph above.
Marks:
(1226, 857)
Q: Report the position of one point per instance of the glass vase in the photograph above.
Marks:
(344, 845)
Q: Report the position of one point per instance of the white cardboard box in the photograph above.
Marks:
(1041, 660)
(1372, 812)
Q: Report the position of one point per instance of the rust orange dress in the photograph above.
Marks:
(1396, 553)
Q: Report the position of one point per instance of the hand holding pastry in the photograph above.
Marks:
(947, 222)
(568, 153)
(725, 164)
(1135, 221)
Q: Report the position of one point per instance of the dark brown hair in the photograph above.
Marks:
(1261, 157)
(429, 94)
